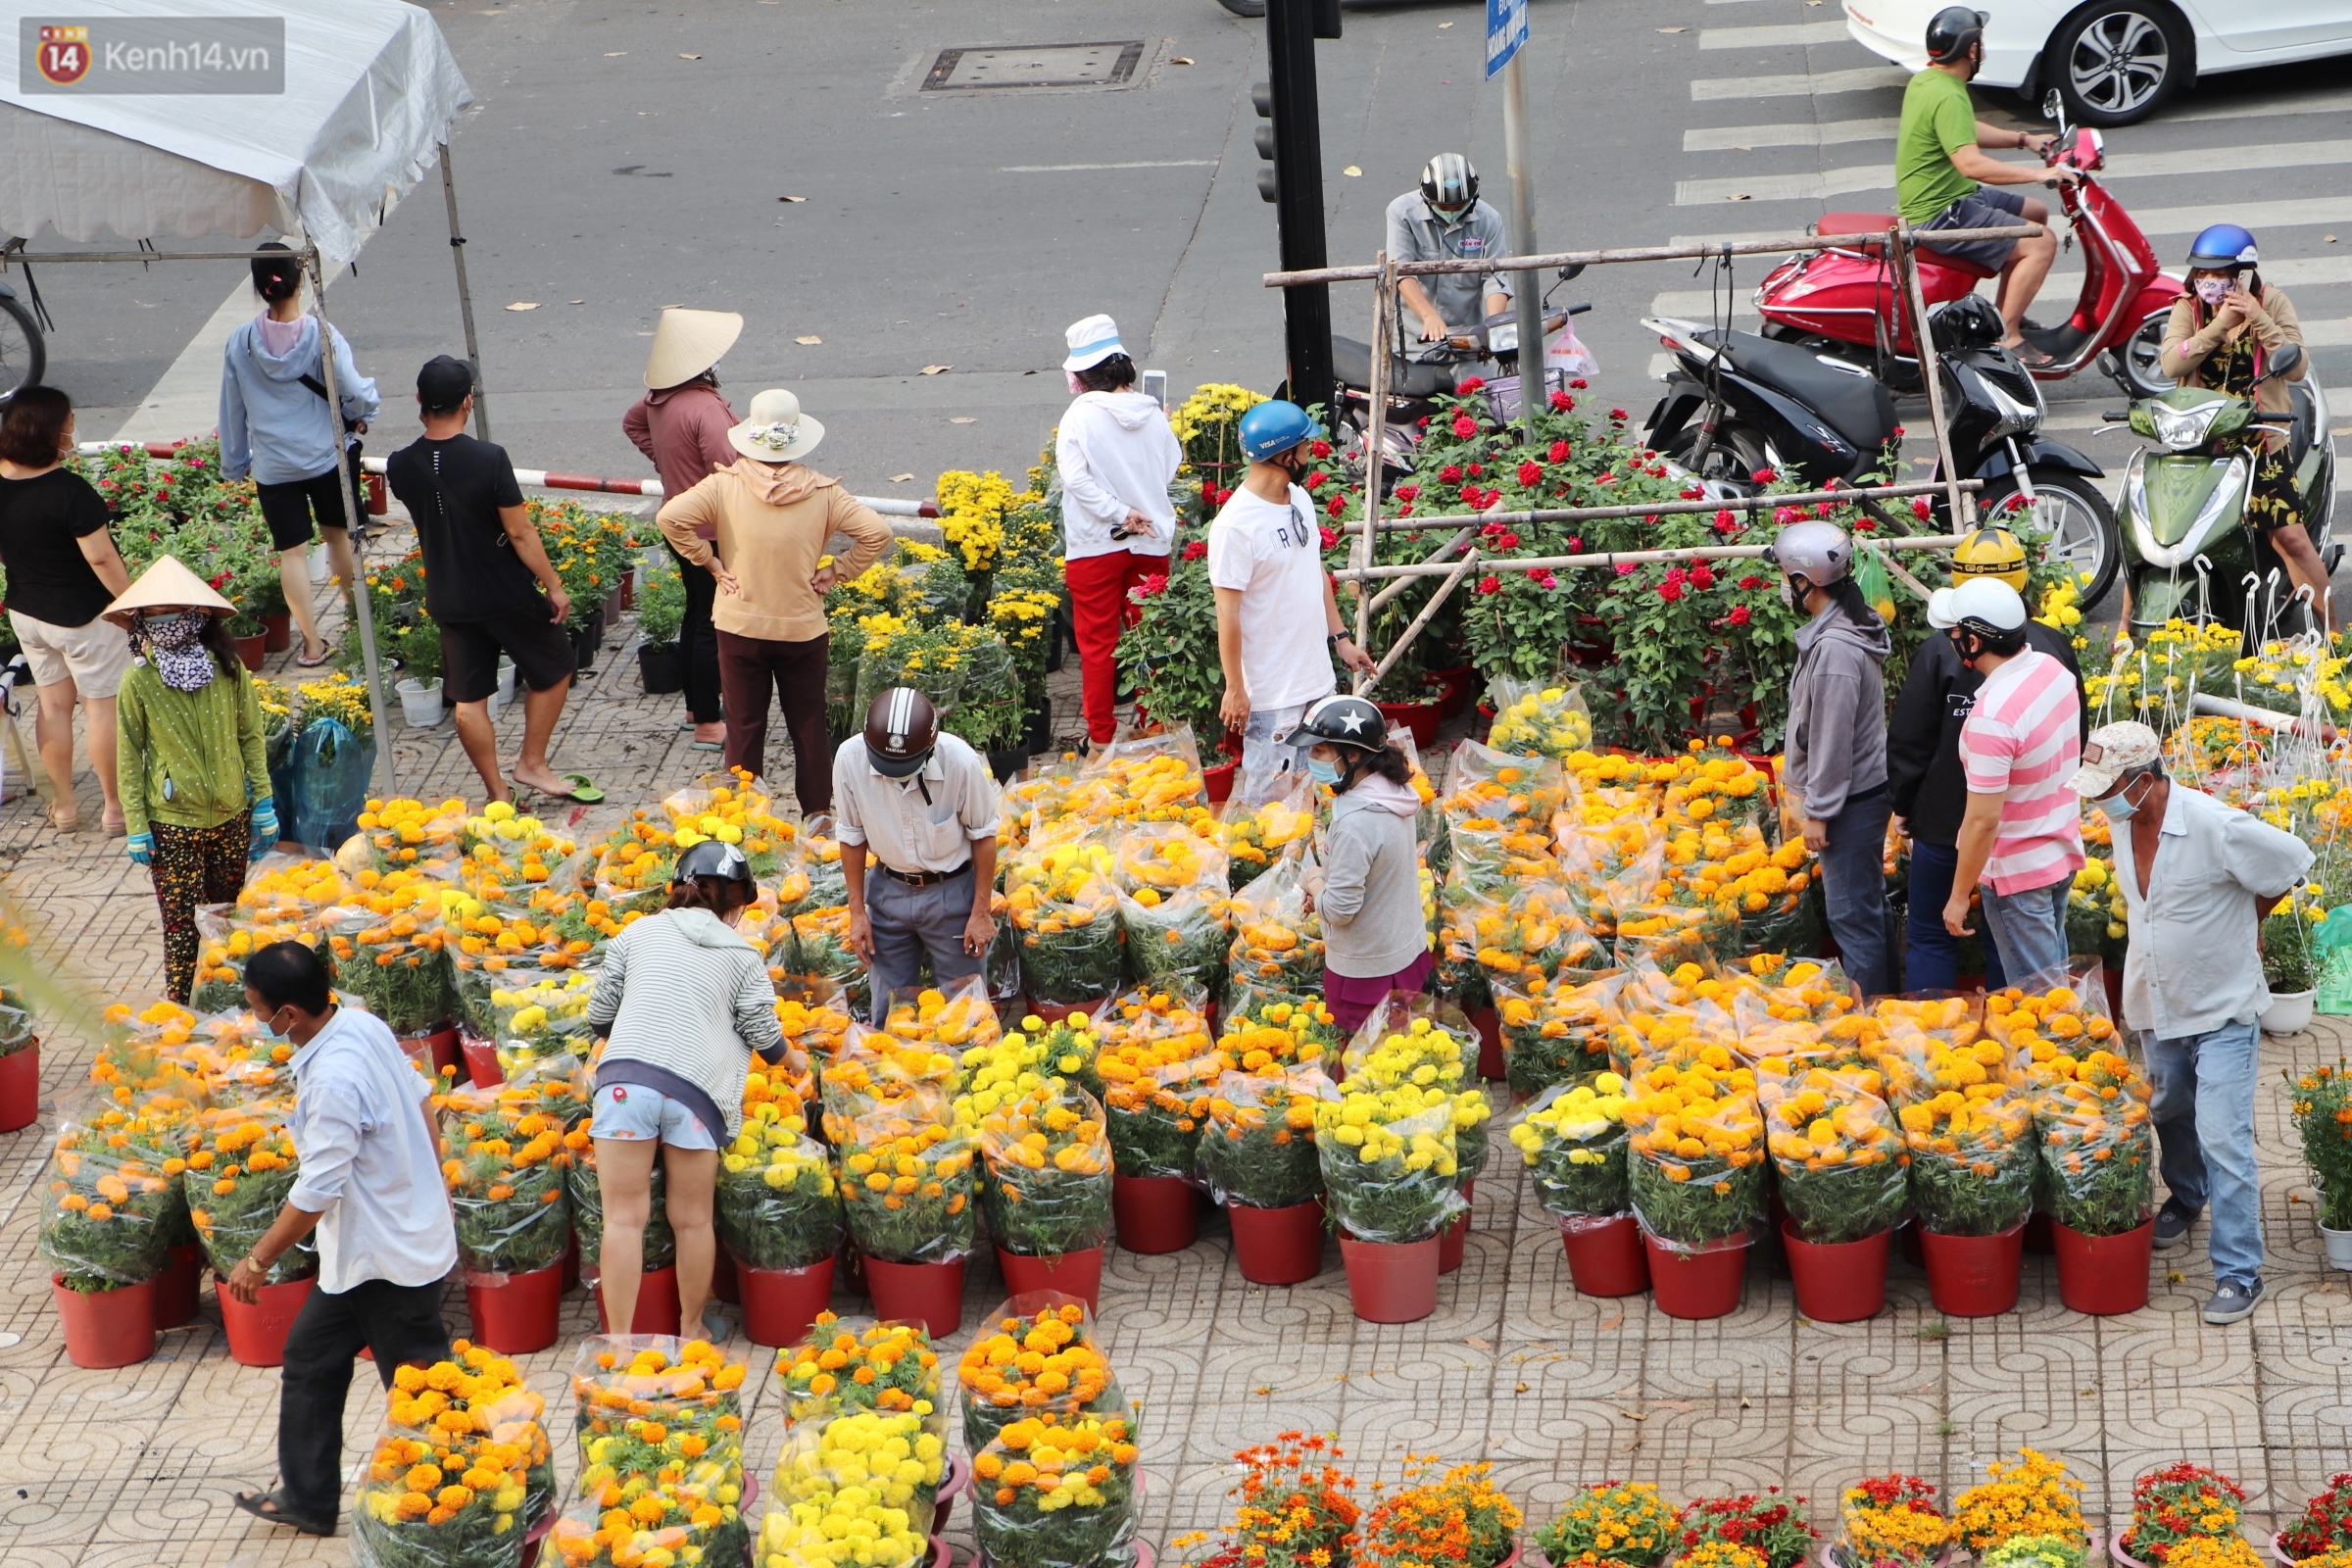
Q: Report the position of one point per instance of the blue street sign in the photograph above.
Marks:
(1507, 30)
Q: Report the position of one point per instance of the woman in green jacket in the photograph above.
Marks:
(190, 749)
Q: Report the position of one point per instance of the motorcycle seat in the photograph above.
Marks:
(1857, 406)
(1884, 222)
(1351, 363)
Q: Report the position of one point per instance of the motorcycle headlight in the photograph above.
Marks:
(2182, 429)
(2230, 493)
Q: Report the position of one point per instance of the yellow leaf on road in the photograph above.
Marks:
(810, 338)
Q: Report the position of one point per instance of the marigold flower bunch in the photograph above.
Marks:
(688, 1386)
(1544, 721)
(240, 1169)
(814, 1023)
(1048, 1170)
(2031, 1495)
(907, 1179)
(849, 1365)
(2097, 1143)
(1620, 1522)
(2231, 1551)
(1256, 836)
(1277, 941)
(2042, 1027)
(1554, 1031)
(2321, 1099)
(1533, 931)
(1574, 1140)
(1837, 1151)
(1293, 1508)
(502, 843)
(1461, 1518)
(1158, 1073)
(1063, 901)
(1973, 1158)
(1644, 1035)
(504, 1162)
(405, 831)
(1042, 1359)
(113, 1187)
(462, 1467)
(340, 698)
(541, 1015)
(2179, 1503)
(1055, 1489)
(1891, 1521)
(857, 1489)
(778, 1204)
(943, 1024)
(1697, 1146)
(1388, 1159)
(875, 1066)
(1277, 1036)
(1499, 809)
(1258, 1148)
(821, 953)
(1149, 785)
(1770, 1525)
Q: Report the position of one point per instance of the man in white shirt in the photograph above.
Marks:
(2198, 878)
(368, 1182)
(1278, 622)
(923, 805)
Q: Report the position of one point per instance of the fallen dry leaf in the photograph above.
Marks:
(1519, 1388)
(810, 338)
(689, 57)
(791, 198)
(1612, 1321)
(1631, 1415)
(2172, 1276)
(901, 478)
(1742, 196)
(523, 305)
(1267, 1389)
(579, 302)
(1673, 1405)
(1674, 30)
(614, 54)
(962, 419)
(1743, 1404)
(934, 369)
(1180, 60)
(1352, 173)
(1442, 25)
(1477, 1343)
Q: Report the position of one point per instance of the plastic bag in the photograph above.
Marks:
(1573, 1141)
(1271, 1031)
(1836, 1148)
(587, 1200)
(106, 1203)
(331, 770)
(1718, 789)
(1410, 1041)
(1389, 1178)
(815, 1017)
(856, 1491)
(1668, 934)
(2099, 1145)
(2048, 1021)
(665, 1472)
(846, 1365)
(1049, 1171)
(1533, 720)
(1555, 1031)
(1037, 1502)
(405, 1514)
(875, 1069)
(1064, 904)
(1268, 816)
(908, 1181)
(778, 1206)
(1532, 931)
(1696, 1153)
(240, 1173)
(1158, 1072)
(670, 1521)
(948, 1019)
(15, 1028)
(1153, 778)
(1277, 941)
(1973, 1157)
(1172, 905)
(1038, 1354)
(541, 1016)
(1258, 1148)
(1499, 809)
(821, 951)
(688, 1386)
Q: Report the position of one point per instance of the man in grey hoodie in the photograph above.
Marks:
(1835, 766)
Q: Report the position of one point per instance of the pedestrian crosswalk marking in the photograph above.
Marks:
(1830, 183)
(1812, 84)
(1800, 133)
(1786, 33)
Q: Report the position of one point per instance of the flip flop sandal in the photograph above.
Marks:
(707, 746)
(305, 662)
(270, 1508)
(583, 791)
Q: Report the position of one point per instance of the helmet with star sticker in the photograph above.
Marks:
(1342, 721)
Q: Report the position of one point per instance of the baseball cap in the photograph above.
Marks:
(2113, 751)
(444, 382)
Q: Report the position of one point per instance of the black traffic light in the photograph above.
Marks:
(1289, 140)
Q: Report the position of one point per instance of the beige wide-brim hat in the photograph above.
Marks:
(686, 343)
(777, 431)
(167, 585)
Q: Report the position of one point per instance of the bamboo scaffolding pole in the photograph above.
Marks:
(1662, 509)
(1646, 253)
(1439, 554)
(1375, 469)
(1930, 372)
(1622, 557)
(1404, 639)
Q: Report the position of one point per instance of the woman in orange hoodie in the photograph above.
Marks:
(760, 526)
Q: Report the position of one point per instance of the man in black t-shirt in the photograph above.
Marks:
(485, 570)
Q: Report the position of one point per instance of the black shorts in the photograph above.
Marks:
(287, 507)
(470, 649)
(1989, 207)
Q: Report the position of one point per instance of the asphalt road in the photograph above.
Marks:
(624, 157)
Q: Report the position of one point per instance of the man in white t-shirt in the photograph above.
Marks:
(1278, 623)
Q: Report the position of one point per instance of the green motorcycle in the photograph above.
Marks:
(2188, 552)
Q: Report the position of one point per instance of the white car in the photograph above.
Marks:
(2114, 60)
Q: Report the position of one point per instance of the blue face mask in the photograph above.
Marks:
(2118, 807)
(1322, 773)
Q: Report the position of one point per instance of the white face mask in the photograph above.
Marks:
(2213, 290)
(1788, 595)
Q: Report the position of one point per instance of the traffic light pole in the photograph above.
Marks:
(1299, 198)
(1527, 288)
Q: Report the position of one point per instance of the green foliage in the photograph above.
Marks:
(661, 599)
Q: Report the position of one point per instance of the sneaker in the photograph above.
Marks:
(2172, 1225)
(2232, 1301)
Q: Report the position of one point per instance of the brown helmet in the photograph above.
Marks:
(899, 731)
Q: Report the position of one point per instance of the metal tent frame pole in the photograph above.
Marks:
(456, 254)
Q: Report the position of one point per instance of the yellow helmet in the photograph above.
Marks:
(1991, 553)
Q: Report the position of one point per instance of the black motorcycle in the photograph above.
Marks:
(1736, 402)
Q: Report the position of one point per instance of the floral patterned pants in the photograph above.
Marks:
(195, 865)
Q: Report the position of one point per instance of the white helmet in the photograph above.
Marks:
(1985, 606)
(1817, 552)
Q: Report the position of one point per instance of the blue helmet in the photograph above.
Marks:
(1272, 427)
(2223, 246)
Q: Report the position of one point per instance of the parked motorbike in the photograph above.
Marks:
(2192, 553)
(1736, 402)
(1849, 301)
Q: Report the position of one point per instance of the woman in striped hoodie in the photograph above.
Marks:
(684, 1003)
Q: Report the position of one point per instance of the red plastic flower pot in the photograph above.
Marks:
(1055, 1011)
(515, 1314)
(1838, 1282)
(1390, 1282)
(19, 1088)
(953, 1483)
(780, 1304)
(439, 1047)
(1278, 1246)
(257, 1333)
(180, 1286)
(1454, 1239)
(656, 1304)
(1605, 1256)
(1420, 720)
(1078, 1274)
(1217, 781)
(1490, 1044)
(2101, 1276)
(277, 631)
(1155, 1213)
(724, 1285)
(1696, 1283)
(481, 1064)
(105, 1327)
(929, 1294)
(1974, 1276)
(537, 1535)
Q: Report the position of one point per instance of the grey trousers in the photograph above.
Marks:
(910, 921)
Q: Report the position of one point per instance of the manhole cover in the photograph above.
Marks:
(1042, 65)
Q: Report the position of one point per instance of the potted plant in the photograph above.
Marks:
(1387, 1151)
(1891, 1521)
(2099, 1157)
(841, 1480)
(840, 1368)
(101, 1230)
(1042, 1355)
(2324, 1528)
(660, 613)
(1841, 1161)
(1621, 1524)
(20, 1064)
(2291, 965)
(1973, 1152)
(1770, 1525)
(914, 1241)
(1459, 1520)
(2178, 1505)
(2028, 1515)
(1258, 1159)
(1158, 1076)
(2323, 1108)
(240, 1173)
(1696, 1167)
(504, 1162)
(1055, 1489)
(1292, 1508)
(778, 1210)
(1047, 1190)
(1574, 1141)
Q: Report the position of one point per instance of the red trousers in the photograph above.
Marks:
(1099, 610)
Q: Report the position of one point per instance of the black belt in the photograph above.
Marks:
(919, 879)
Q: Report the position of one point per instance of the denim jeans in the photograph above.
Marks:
(2204, 1116)
(1931, 954)
(2028, 929)
(1853, 883)
(1261, 754)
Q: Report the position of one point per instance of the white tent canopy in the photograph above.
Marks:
(370, 90)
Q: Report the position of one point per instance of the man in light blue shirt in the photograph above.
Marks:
(368, 1181)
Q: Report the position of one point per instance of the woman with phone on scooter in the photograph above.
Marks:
(2219, 338)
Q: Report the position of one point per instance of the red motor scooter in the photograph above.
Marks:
(1848, 302)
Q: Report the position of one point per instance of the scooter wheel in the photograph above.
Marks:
(2076, 518)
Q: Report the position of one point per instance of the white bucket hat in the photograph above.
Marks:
(686, 343)
(1091, 342)
(777, 431)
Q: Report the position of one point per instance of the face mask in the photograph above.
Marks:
(1077, 387)
(2213, 290)
(1789, 593)
(1322, 773)
(2118, 806)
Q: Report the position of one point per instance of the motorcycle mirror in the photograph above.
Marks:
(1574, 269)
(2286, 360)
(2053, 108)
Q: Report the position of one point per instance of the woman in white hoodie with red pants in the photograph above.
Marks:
(1117, 458)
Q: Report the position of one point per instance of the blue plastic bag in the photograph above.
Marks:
(332, 770)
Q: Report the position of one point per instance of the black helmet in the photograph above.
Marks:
(1448, 181)
(1342, 720)
(713, 858)
(1952, 30)
(1968, 323)
(900, 729)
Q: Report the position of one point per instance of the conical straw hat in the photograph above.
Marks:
(686, 343)
(167, 585)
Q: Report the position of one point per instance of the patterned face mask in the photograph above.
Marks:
(175, 646)
(2213, 290)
